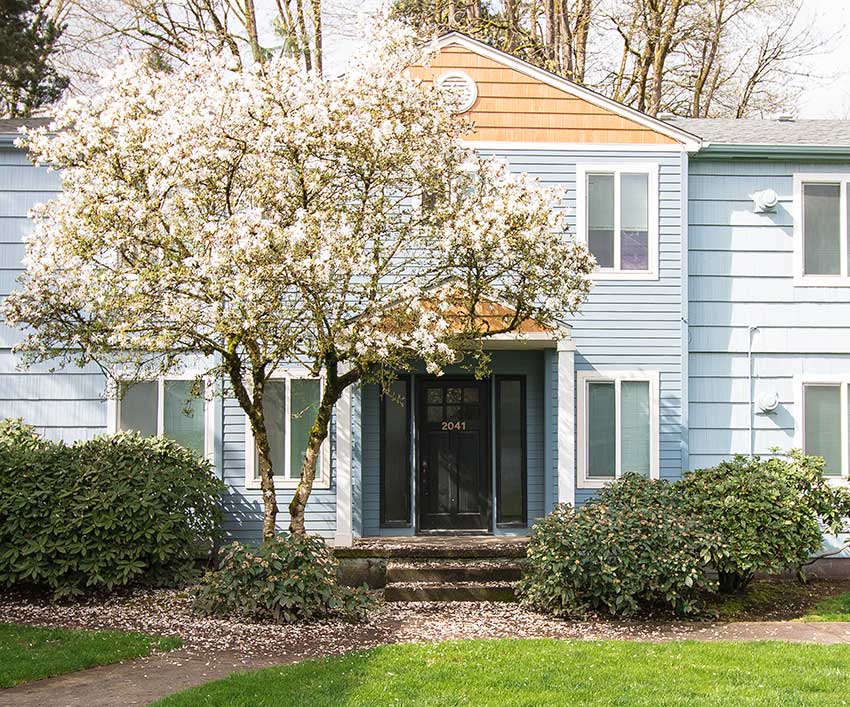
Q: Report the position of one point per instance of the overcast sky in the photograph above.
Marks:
(828, 95)
(828, 90)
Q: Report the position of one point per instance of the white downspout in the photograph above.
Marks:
(750, 332)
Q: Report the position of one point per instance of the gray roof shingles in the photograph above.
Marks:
(10, 126)
(751, 131)
(719, 131)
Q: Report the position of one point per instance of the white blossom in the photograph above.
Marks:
(269, 215)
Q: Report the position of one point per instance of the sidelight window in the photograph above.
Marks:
(510, 451)
(395, 455)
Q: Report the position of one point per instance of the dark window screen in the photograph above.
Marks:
(510, 450)
(395, 455)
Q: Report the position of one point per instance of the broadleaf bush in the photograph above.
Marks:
(768, 514)
(99, 515)
(630, 550)
(286, 579)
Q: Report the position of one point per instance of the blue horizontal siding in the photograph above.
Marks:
(244, 507)
(68, 404)
(741, 275)
(630, 325)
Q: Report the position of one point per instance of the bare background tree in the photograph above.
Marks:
(550, 33)
(711, 58)
(697, 58)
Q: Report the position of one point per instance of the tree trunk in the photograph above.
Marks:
(334, 385)
(732, 582)
(264, 455)
(251, 29)
(317, 35)
(252, 406)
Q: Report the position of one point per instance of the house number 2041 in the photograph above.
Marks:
(454, 425)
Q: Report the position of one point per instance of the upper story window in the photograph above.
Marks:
(820, 239)
(617, 217)
(617, 425)
(290, 403)
(169, 407)
(822, 427)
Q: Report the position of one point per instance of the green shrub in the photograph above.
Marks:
(286, 579)
(101, 514)
(629, 550)
(766, 513)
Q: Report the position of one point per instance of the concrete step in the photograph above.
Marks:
(449, 591)
(428, 547)
(492, 570)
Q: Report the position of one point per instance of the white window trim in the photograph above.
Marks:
(616, 169)
(800, 382)
(281, 481)
(800, 278)
(113, 408)
(616, 377)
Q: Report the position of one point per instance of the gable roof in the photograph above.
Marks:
(674, 133)
(750, 131)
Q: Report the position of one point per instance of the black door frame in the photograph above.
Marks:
(487, 416)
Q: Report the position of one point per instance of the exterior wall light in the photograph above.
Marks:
(764, 201)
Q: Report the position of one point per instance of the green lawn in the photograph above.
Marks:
(547, 672)
(31, 652)
(833, 609)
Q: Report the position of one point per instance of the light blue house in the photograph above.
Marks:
(719, 323)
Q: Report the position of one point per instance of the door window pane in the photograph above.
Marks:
(138, 408)
(183, 414)
(823, 425)
(634, 222)
(634, 427)
(821, 229)
(600, 218)
(274, 410)
(395, 500)
(511, 451)
(601, 433)
(304, 404)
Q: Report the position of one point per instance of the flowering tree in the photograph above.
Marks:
(266, 216)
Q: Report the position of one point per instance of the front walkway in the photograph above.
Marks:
(214, 649)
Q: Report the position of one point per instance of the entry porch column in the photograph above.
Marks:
(566, 491)
(343, 535)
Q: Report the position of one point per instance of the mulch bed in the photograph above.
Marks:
(168, 612)
(779, 599)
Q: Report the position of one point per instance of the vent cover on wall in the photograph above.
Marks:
(462, 88)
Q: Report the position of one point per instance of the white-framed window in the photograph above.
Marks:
(821, 230)
(822, 426)
(290, 403)
(618, 425)
(617, 218)
(176, 406)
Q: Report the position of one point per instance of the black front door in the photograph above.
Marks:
(454, 478)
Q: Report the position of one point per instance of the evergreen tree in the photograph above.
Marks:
(28, 37)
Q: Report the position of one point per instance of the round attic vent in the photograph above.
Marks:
(461, 87)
